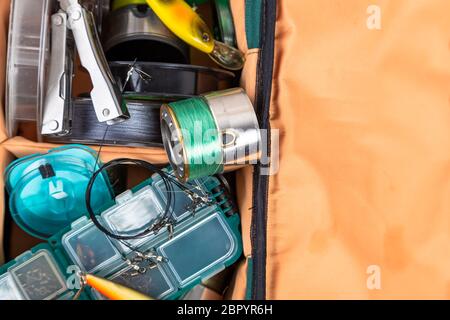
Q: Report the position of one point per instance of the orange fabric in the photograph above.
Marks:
(364, 176)
(21, 147)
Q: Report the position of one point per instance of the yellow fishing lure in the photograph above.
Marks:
(183, 21)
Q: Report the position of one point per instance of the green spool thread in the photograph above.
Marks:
(202, 145)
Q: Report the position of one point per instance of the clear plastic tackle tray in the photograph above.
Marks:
(90, 249)
(202, 245)
(34, 276)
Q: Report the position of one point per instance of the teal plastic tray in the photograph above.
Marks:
(202, 245)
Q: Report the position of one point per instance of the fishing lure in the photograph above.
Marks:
(183, 21)
(112, 290)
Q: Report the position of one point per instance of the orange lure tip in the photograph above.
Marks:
(114, 291)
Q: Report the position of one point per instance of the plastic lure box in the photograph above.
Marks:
(202, 244)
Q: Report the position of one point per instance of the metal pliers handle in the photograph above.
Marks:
(106, 96)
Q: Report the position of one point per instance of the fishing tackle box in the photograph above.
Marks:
(202, 244)
(43, 187)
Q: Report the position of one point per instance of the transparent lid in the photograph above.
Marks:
(82, 156)
(153, 283)
(181, 203)
(200, 249)
(133, 214)
(90, 248)
(8, 289)
(39, 278)
(51, 194)
(27, 58)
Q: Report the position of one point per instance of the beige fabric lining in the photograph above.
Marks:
(364, 177)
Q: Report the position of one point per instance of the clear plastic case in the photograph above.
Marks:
(90, 249)
(38, 276)
(202, 245)
(8, 289)
(201, 250)
(28, 47)
(133, 213)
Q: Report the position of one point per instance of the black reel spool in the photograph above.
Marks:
(136, 32)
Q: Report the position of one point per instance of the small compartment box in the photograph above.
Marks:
(8, 289)
(133, 214)
(201, 250)
(47, 191)
(90, 249)
(33, 276)
(154, 283)
(203, 244)
(180, 201)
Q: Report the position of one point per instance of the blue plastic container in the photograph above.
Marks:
(47, 191)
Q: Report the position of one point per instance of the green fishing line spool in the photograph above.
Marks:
(210, 134)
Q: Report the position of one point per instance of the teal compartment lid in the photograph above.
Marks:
(133, 213)
(202, 250)
(37, 276)
(154, 283)
(90, 249)
(47, 191)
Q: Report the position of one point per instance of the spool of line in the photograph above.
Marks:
(210, 134)
(142, 129)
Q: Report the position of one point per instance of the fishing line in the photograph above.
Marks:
(168, 79)
(168, 180)
(202, 146)
(141, 129)
(211, 134)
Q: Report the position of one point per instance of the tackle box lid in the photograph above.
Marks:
(133, 213)
(90, 249)
(47, 191)
(37, 276)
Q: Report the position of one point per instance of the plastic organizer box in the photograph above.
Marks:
(202, 244)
